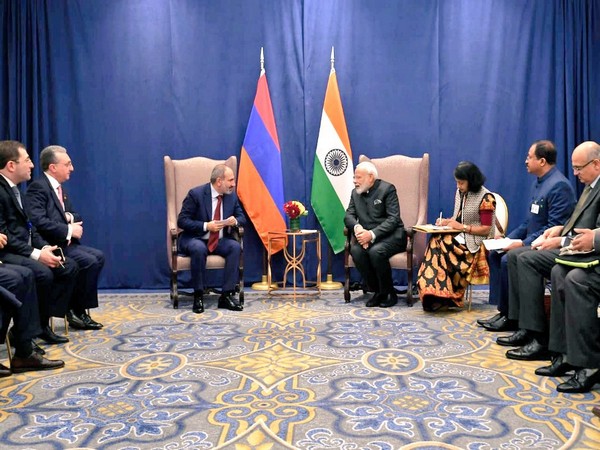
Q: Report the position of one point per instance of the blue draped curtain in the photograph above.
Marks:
(121, 83)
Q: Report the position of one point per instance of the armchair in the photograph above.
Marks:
(181, 176)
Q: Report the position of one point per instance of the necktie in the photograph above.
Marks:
(60, 196)
(18, 195)
(578, 208)
(213, 238)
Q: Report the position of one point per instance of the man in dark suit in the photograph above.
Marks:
(574, 322)
(18, 301)
(52, 213)
(528, 268)
(373, 215)
(54, 276)
(207, 216)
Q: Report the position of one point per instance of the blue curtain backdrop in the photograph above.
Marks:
(121, 83)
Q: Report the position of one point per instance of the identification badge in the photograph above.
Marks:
(535, 208)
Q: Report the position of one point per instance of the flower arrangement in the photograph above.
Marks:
(294, 209)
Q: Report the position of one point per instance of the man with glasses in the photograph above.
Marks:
(51, 211)
(574, 322)
(54, 277)
(528, 267)
(551, 203)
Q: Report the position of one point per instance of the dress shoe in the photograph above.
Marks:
(558, 368)
(375, 300)
(489, 320)
(533, 351)
(51, 337)
(77, 321)
(596, 411)
(36, 348)
(198, 306)
(502, 324)
(35, 362)
(517, 339)
(580, 382)
(90, 322)
(5, 371)
(389, 300)
(228, 301)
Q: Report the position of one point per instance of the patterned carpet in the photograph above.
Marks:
(311, 374)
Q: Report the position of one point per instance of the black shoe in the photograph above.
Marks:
(5, 371)
(198, 306)
(34, 362)
(389, 300)
(51, 337)
(580, 382)
(36, 348)
(533, 351)
(558, 368)
(76, 321)
(502, 324)
(375, 300)
(91, 323)
(228, 301)
(518, 339)
(489, 320)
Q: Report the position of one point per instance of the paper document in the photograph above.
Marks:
(499, 244)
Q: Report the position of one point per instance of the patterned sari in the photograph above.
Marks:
(449, 266)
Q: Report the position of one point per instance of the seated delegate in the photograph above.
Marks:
(452, 260)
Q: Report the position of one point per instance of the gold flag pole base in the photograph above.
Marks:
(330, 285)
(262, 285)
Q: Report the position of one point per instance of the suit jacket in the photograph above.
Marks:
(377, 210)
(196, 210)
(590, 212)
(46, 213)
(15, 223)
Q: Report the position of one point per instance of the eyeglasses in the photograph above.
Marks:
(67, 164)
(580, 168)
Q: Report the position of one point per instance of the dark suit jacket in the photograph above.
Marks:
(16, 225)
(196, 210)
(377, 210)
(46, 213)
(590, 214)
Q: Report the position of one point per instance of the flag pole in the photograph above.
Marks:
(262, 285)
(330, 285)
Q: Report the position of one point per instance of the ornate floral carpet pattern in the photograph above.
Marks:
(287, 373)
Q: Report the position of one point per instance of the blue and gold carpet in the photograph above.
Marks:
(309, 374)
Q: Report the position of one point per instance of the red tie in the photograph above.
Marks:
(213, 238)
(60, 197)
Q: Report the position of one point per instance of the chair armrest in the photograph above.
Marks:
(174, 235)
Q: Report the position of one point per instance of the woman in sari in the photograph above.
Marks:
(452, 260)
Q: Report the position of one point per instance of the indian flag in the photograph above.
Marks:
(333, 168)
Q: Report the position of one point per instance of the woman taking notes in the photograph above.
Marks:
(452, 260)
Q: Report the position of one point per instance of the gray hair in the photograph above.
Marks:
(48, 155)
(368, 167)
(218, 172)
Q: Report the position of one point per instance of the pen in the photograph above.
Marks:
(440, 219)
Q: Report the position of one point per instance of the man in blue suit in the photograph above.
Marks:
(551, 202)
(52, 213)
(207, 216)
